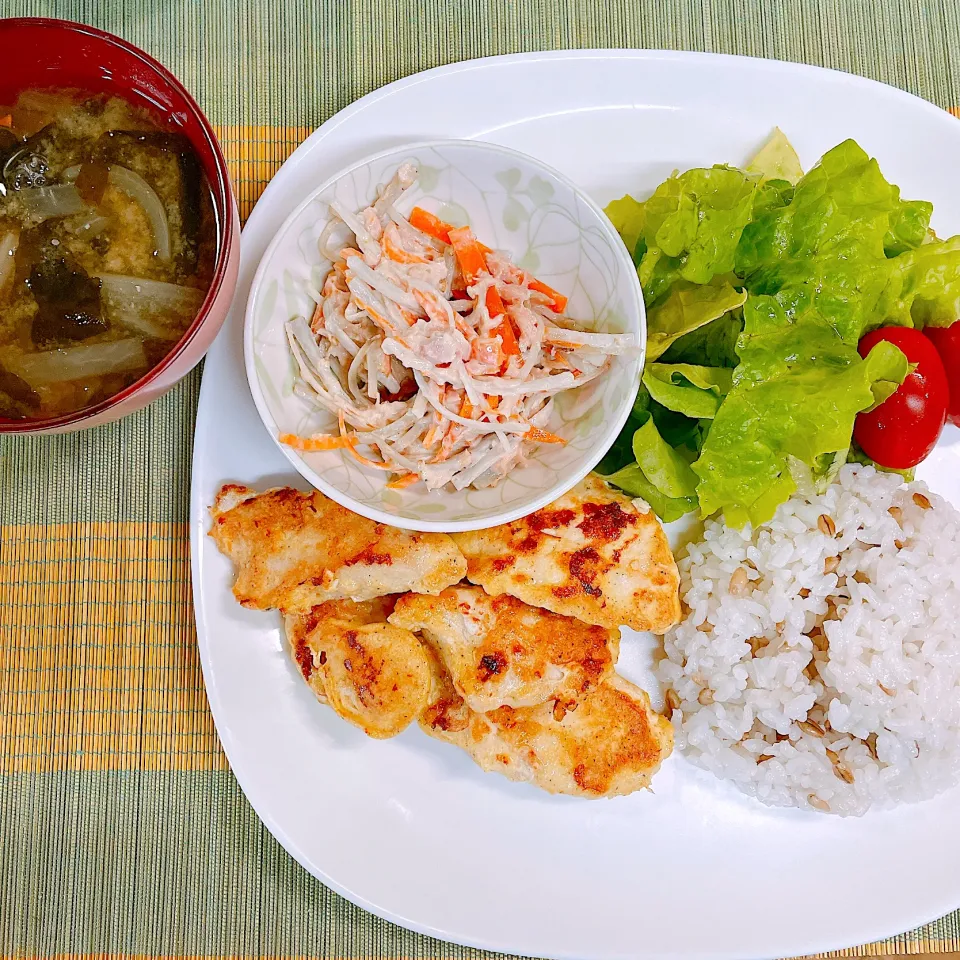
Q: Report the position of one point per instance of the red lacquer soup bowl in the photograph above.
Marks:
(42, 53)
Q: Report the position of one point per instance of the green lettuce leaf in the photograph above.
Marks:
(924, 285)
(843, 199)
(824, 252)
(685, 434)
(847, 247)
(695, 391)
(696, 219)
(909, 227)
(660, 475)
(776, 159)
(825, 468)
(713, 345)
(657, 272)
(796, 393)
(632, 482)
(678, 430)
(772, 195)
(626, 214)
(686, 309)
(663, 466)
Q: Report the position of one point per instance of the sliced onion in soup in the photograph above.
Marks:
(151, 307)
(75, 363)
(45, 203)
(134, 186)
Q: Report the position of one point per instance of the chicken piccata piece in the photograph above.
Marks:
(375, 675)
(501, 652)
(610, 745)
(296, 550)
(592, 554)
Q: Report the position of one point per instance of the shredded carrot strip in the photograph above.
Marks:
(397, 254)
(559, 300)
(350, 443)
(468, 332)
(542, 436)
(494, 303)
(431, 306)
(352, 450)
(504, 329)
(507, 337)
(469, 255)
(377, 317)
(446, 443)
(449, 442)
(405, 481)
(6, 121)
(427, 223)
(314, 444)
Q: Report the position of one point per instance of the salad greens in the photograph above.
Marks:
(695, 391)
(759, 284)
(776, 159)
(687, 308)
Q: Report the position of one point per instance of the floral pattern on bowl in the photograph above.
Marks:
(513, 203)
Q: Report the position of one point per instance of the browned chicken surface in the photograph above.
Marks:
(517, 668)
(375, 675)
(296, 550)
(610, 745)
(592, 554)
(501, 652)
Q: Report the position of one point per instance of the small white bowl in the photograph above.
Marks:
(513, 203)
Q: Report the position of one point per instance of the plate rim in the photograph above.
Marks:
(882, 929)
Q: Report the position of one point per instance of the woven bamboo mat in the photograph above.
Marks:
(122, 830)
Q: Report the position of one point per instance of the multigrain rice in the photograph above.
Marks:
(831, 686)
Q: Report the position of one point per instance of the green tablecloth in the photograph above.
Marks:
(122, 830)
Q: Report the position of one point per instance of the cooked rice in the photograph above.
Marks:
(819, 665)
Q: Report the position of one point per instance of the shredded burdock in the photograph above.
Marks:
(439, 356)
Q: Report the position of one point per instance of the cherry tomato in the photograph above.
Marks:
(947, 342)
(906, 426)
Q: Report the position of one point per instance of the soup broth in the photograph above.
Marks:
(107, 247)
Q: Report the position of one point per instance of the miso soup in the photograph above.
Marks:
(108, 242)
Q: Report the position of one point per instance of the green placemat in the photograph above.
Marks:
(122, 830)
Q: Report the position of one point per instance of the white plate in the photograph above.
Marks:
(409, 828)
